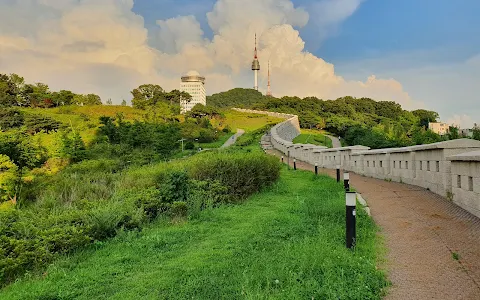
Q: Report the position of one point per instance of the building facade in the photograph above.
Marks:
(193, 84)
(439, 128)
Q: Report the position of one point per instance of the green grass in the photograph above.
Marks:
(314, 137)
(218, 143)
(284, 243)
(246, 121)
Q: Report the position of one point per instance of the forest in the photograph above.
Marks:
(358, 121)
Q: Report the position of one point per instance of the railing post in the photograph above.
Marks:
(350, 220)
(346, 181)
(288, 161)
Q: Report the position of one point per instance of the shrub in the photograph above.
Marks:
(227, 129)
(179, 209)
(174, 187)
(10, 118)
(36, 123)
(73, 147)
(242, 173)
(189, 145)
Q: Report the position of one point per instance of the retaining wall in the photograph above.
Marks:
(450, 169)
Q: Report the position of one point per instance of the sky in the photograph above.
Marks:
(419, 53)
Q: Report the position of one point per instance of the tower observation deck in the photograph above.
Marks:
(255, 65)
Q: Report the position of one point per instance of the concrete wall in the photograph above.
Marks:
(465, 180)
(450, 169)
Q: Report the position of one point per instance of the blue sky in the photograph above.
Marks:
(424, 44)
(419, 53)
(378, 27)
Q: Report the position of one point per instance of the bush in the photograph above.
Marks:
(179, 209)
(242, 173)
(189, 145)
(36, 123)
(10, 118)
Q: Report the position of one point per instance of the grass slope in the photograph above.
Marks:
(246, 121)
(284, 243)
(313, 137)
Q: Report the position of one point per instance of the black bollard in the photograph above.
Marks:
(316, 169)
(350, 232)
(295, 164)
(288, 160)
(346, 181)
(338, 173)
(282, 159)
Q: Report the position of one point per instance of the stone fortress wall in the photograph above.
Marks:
(450, 169)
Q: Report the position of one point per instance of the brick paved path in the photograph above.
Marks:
(422, 231)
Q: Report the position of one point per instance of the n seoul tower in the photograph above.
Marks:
(256, 65)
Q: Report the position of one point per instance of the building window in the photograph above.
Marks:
(470, 183)
(421, 165)
(406, 165)
(428, 165)
(438, 166)
(355, 163)
(394, 164)
(459, 181)
(374, 164)
(400, 164)
(381, 164)
(368, 163)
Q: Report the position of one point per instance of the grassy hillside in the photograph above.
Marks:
(314, 137)
(246, 121)
(284, 243)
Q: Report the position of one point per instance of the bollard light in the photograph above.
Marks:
(350, 220)
(282, 159)
(316, 169)
(295, 164)
(346, 181)
(338, 173)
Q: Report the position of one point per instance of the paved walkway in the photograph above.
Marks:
(234, 138)
(423, 234)
(335, 142)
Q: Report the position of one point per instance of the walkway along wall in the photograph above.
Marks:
(450, 169)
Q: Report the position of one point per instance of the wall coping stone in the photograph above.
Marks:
(470, 156)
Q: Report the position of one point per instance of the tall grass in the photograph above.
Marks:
(96, 199)
(286, 242)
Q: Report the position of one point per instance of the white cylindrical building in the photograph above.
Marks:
(193, 84)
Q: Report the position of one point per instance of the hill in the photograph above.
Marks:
(241, 98)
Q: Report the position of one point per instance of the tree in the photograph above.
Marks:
(92, 99)
(175, 96)
(453, 133)
(8, 178)
(63, 98)
(22, 149)
(73, 147)
(124, 103)
(426, 116)
(147, 95)
(476, 132)
(7, 91)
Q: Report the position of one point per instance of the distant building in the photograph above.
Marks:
(194, 84)
(439, 128)
(466, 133)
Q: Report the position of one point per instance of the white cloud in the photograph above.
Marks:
(101, 46)
(450, 88)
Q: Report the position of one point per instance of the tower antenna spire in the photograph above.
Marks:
(255, 65)
(269, 88)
